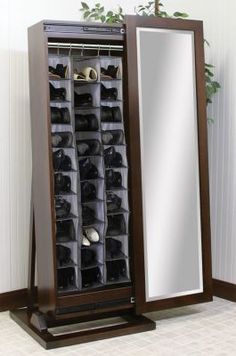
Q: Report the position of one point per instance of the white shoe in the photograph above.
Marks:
(88, 74)
(85, 241)
(92, 234)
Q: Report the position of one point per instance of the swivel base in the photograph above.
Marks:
(54, 336)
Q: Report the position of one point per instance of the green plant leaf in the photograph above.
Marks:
(206, 42)
(180, 14)
(210, 120)
(209, 65)
(84, 5)
(86, 14)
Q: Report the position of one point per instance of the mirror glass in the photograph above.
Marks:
(169, 160)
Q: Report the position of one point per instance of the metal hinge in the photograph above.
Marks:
(132, 300)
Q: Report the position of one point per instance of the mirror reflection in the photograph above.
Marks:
(169, 157)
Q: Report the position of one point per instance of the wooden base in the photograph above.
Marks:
(134, 324)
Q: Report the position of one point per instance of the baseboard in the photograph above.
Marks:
(224, 290)
(14, 299)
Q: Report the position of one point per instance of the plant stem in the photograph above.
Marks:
(157, 7)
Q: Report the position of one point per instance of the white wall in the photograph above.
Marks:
(220, 31)
(15, 142)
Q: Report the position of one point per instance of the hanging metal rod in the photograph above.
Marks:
(85, 46)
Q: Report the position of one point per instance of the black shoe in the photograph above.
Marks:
(83, 100)
(57, 93)
(113, 247)
(63, 255)
(116, 270)
(62, 207)
(62, 139)
(90, 277)
(116, 114)
(61, 162)
(60, 71)
(87, 169)
(88, 148)
(65, 278)
(113, 137)
(112, 158)
(60, 115)
(113, 202)
(106, 114)
(88, 257)
(111, 114)
(116, 225)
(108, 93)
(113, 179)
(65, 231)
(88, 192)
(87, 122)
(62, 183)
(88, 216)
(110, 73)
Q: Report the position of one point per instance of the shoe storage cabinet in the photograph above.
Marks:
(77, 274)
(87, 223)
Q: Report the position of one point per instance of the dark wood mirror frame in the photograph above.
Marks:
(132, 22)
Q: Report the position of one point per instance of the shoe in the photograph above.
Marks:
(106, 114)
(87, 122)
(52, 76)
(89, 148)
(85, 241)
(113, 202)
(113, 247)
(61, 162)
(110, 114)
(62, 207)
(65, 278)
(88, 216)
(112, 158)
(91, 234)
(116, 225)
(62, 183)
(116, 270)
(108, 93)
(60, 115)
(90, 277)
(88, 257)
(83, 100)
(113, 137)
(113, 179)
(60, 72)
(57, 93)
(87, 169)
(88, 74)
(116, 114)
(62, 139)
(65, 231)
(111, 72)
(88, 192)
(63, 255)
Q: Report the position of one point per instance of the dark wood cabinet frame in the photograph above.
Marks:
(127, 300)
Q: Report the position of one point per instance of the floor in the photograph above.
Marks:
(204, 329)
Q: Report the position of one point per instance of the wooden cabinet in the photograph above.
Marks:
(91, 112)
